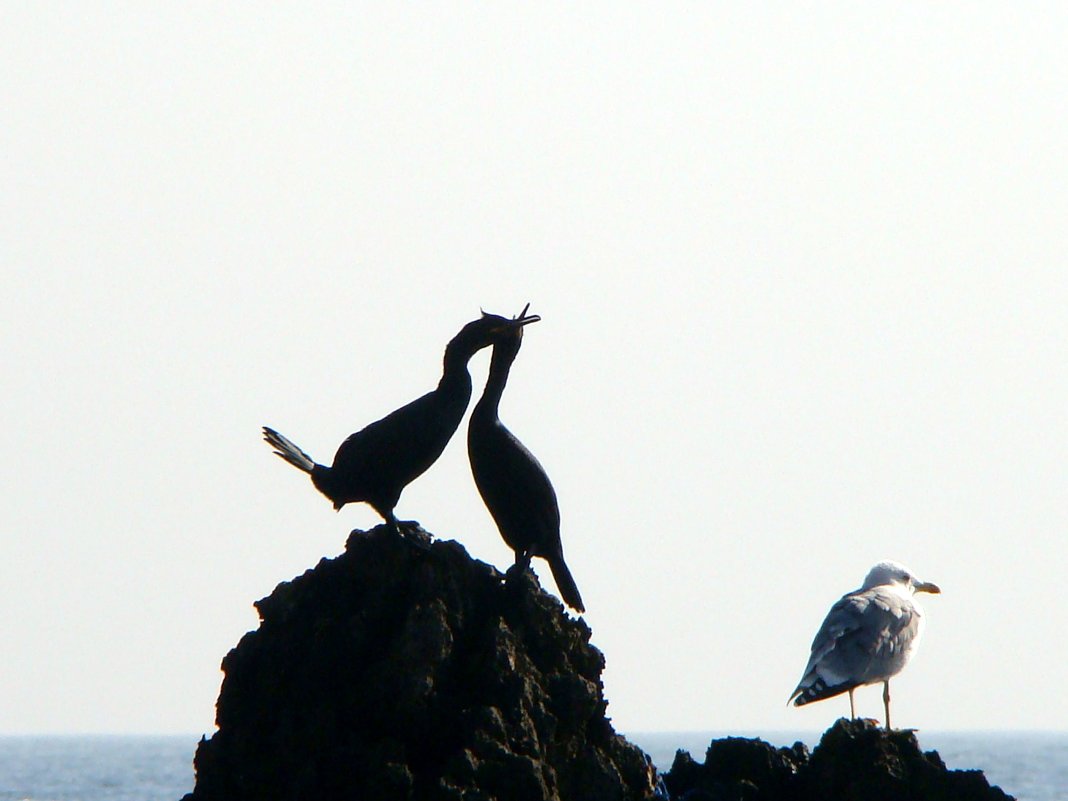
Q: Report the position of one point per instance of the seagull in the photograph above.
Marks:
(868, 636)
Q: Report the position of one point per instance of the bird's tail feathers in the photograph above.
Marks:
(816, 689)
(288, 451)
(566, 583)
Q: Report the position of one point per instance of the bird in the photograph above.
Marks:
(513, 485)
(375, 464)
(869, 636)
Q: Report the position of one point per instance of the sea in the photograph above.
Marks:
(1032, 766)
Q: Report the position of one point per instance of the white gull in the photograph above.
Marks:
(868, 636)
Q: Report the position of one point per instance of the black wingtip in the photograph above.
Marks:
(819, 691)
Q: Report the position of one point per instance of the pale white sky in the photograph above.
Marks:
(801, 269)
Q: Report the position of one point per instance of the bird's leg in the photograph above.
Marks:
(886, 702)
(399, 526)
(519, 566)
(408, 530)
(393, 523)
(852, 709)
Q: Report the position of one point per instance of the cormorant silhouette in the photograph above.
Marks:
(375, 464)
(513, 485)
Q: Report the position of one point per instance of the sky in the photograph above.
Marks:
(801, 274)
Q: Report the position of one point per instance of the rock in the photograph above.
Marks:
(857, 759)
(854, 761)
(737, 768)
(404, 669)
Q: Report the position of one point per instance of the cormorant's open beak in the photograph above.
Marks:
(926, 586)
(523, 319)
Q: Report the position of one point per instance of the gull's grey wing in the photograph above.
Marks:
(866, 637)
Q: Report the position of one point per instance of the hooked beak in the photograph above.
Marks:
(926, 586)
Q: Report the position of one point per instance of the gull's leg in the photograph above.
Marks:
(852, 710)
(886, 702)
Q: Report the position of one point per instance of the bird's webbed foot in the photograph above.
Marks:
(410, 531)
(517, 575)
(518, 582)
(522, 561)
(519, 567)
(514, 572)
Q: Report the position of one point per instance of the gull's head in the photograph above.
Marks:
(895, 573)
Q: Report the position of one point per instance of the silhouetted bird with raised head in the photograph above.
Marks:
(374, 465)
(514, 486)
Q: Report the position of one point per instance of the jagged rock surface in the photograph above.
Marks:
(404, 669)
(854, 761)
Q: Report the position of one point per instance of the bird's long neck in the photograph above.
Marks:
(500, 366)
(455, 379)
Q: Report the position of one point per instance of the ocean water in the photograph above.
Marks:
(96, 768)
(1033, 766)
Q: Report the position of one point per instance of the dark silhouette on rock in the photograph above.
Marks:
(856, 760)
(405, 670)
(375, 464)
(510, 480)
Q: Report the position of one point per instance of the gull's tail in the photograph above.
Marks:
(565, 583)
(814, 688)
(288, 451)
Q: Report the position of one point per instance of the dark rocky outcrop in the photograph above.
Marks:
(854, 761)
(404, 669)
